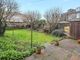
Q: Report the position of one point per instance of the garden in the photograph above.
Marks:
(16, 44)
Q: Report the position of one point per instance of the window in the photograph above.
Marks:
(78, 15)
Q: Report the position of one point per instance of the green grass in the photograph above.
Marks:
(17, 45)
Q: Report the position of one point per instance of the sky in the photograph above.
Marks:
(43, 5)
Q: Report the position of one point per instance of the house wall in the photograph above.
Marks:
(17, 24)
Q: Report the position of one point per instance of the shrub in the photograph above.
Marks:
(58, 32)
(14, 55)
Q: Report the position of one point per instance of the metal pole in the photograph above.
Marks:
(31, 37)
(31, 33)
(13, 31)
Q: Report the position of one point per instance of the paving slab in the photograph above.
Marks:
(75, 57)
(70, 45)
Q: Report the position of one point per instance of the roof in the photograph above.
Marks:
(62, 22)
(76, 19)
(18, 17)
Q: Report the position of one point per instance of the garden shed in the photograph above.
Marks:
(75, 29)
(65, 26)
(62, 24)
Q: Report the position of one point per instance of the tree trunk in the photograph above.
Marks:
(2, 28)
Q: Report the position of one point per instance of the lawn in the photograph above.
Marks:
(15, 44)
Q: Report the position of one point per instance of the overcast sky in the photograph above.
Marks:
(43, 5)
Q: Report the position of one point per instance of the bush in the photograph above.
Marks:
(9, 50)
(18, 46)
(58, 32)
(14, 55)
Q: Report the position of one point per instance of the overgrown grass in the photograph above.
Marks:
(16, 43)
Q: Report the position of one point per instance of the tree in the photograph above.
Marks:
(39, 25)
(53, 16)
(7, 10)
(32, 16)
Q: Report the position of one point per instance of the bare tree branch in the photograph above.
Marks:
(53, 16)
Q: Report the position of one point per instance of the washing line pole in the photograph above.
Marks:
(13, 30)
(31, 33)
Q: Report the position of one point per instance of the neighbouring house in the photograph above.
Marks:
(73, 17)
(18, 21)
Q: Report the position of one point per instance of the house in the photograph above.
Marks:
(17, 21)
(73, 17)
